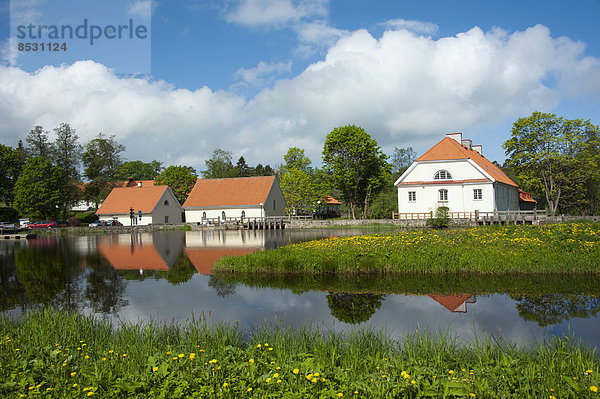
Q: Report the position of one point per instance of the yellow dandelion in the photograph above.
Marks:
(270, 349)
(278, 381)
(472, 395)
(168, 353)
(594, 388)
(111, 351)
(451, 372)
(588, 371)
(413, 382)
(295, 371)
(249, 389)
(340, 395)
(90, 393)
(251, 361)
(87, 357)
(275, 375)
(266, 344)
(181, 355)
(154, 369)
(314, 380)
(103, 359)
(268, 380)
(192, 356)
(259, 346)
(73, 374)
(225, 385)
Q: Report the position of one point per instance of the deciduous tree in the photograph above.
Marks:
(356, 164)
(66, 153)
(298, 181)
(180, 179)
(11, 165)
(219, 165)
(101, 160)
(38, 192)
(139, 170)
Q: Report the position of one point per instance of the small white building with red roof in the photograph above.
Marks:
(454, 173)
(151, 205)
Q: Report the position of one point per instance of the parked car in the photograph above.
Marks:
(113, 223)
(23, 223)
(97, 223)
(6, 225)
(43, 224)
(62, 223)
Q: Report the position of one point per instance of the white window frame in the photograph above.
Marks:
(443, 195)
(477, 194)
(412, 196)
(442, 175)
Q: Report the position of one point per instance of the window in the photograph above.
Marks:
(412, 196)
(443, 195)
(204, 215)
(166, 219)
(477, 194)
(243, 214)
(273, 204)
(442, 175)
(223, 215)
(166, 203)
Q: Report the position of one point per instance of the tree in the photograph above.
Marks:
(139, 170)
(11, 165)
(298, 182)
(180, 179)
(38, 192)
(219, 165)
(101, 160)
(266, 170)
(357, 166)
(38, 144)
(67, 155)
(552, 156)
(353, 308)
(242, 168)
(402, 159)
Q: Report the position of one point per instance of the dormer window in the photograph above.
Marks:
(442, 175)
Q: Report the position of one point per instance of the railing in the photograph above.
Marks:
(476, 215)
(412, 215)
(300, 217)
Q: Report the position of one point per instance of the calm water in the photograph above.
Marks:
(166, 275)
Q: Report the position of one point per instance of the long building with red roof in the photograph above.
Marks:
(248, 197)
(455, 173)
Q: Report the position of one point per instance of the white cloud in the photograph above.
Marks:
(262, 73)
(142, 8)
(274, 13)
(400, 86)
(427, 28)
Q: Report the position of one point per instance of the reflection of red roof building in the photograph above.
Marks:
(204, 259)
(124, 257)
(454, 303)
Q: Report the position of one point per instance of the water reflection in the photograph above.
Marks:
(167, 275)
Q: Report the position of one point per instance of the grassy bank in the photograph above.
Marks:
(561, 248)
(59, 355)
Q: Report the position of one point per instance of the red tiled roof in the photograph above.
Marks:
(232, 191)
(120, 200)
(525, 196)
(444, 182)
(333, 201)
(449, 148)
(450, 302)
(204, 259)
(123, 257)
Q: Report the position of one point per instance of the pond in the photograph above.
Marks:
(167, 276)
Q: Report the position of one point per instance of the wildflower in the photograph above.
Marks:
(87, 357)
(472, 395)
(73, 374)
(192, 356)
(175, 358)
(313, 380)
(85, 389)
(275, 375)
(103, 359)
(168, 353)
(111, 351)
(278, 381)
(16, 350)
(295, 371)
(308, 377)
(251, 361)
(413, 382)
(268, 380)
(594, 388)
(124, 354)
(340, 395)
(588, 371)
(90, 393)
(249, 389)
(451, 372)
(270, 349)
(213, 361)
(383, 376)
(552, 397)
(316, 374)
(154, 369)
(83, 344)
(266, 344)
(277, 368)
(259, 346)
(181, 355)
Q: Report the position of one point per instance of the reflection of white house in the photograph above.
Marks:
(248, 197)
(150, 204)
(225, 239)
(454, 173)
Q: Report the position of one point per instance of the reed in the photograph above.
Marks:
(57, 354)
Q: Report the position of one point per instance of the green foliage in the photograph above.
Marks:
(38, 144)
(11, 165)
(138, 170)
(219, 165)
(181, 271)
(563, 248)
(101, 161)
(441, 219)
(66, 153)
(242, 168)
(558, 160)
(402, 159)
(8, 214)
(87, 217)
(67, 355)
(302, 186)
(180, 179)
(353, 308)
(356, 164)
(38, 191)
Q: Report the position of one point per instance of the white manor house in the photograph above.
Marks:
(454, 173)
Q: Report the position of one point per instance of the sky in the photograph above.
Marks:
(257, 77)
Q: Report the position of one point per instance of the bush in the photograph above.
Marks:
(9, 214)
(74, 221)
(87, 217)
(441, 219)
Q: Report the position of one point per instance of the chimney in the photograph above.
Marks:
(466, 143)
(139, 184)
(455, 136)
(478, 148)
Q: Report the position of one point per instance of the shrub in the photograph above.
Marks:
(441, 219)
(87, 217)
(9, 214)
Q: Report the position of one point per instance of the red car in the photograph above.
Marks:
(44, 224)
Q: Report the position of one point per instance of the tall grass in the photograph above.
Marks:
(561, 248)
(54, 354)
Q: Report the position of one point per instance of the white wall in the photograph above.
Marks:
(126, 221)
(195, 215)
(460, 169)
(460, 198)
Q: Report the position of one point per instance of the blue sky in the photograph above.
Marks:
(258, 76)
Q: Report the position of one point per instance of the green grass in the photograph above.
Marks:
(572, 248)
(61, 355)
